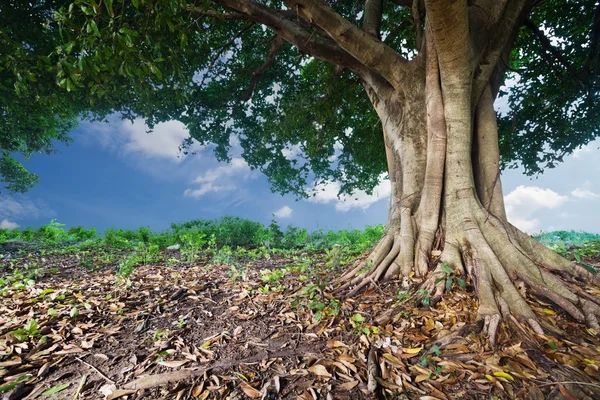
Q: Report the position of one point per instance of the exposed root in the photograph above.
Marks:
(494, 255)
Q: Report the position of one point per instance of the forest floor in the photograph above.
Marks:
(267, 328)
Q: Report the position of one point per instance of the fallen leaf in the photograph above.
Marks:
(56, 389)
(249, 390)
(173, 364)
(319, 370)
(413, 350)
(501, 374)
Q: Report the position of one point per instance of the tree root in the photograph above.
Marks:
(495, 256)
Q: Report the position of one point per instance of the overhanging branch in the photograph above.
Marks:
(548, 47)
(503, 36)
(365, 48)
(372, 20)
(278, 42)
(293, 33)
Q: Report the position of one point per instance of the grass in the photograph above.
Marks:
(231, 240)
(192, 236)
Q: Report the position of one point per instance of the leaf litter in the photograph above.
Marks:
(206, 331)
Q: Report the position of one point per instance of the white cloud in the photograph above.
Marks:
(582, 151)
(128, 138)
(6, 224)
(11, 208)
(584, 194)
(524, 201)
(326, 193)
(224, 178)
(162, 142)
(283, 212)
(292, 152)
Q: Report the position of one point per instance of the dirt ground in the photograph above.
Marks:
(193, 331)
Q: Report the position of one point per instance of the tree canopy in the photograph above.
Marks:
(228, 74)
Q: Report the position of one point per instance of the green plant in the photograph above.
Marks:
(181, 322)
(275, 234)
(30, 329)
(237, 273)
(191, 244)
(450, 277)
(402, 296)
(333, 256)
(147, 253)
(160, 334)
(424, 295)
(358, 323)
(269, 276)
(126, 267)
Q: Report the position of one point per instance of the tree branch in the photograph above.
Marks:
(278, 42)
(416, 13)
(372, 21)
(586, 70)
(363, 47)
(213, 13)
(504, 35)
(293, 33)
(222, 49)
(547, 46)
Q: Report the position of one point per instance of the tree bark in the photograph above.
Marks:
(443, 163)
(441, 143)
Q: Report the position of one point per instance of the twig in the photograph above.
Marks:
(372, 370)
(596, 385)
(150, 381)
(106, 378)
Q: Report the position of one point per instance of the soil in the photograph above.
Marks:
(232, 337)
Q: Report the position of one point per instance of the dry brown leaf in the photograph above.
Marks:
(393, 360)
(249, 390)
(332, 344)
(348, 385)
(319, 370)
(174, 363)
(198, 389)
(568, 395)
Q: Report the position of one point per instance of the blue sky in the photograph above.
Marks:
(117, 175)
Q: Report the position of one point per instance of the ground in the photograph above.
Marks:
(264, 327)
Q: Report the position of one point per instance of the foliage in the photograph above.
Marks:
(61, 60)
(554, 106)
(569, 238)
(191, 244)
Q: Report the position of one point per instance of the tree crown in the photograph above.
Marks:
(282, 83)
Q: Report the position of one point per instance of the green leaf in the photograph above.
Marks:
(135, 3)
(590, 268)
(109, 7)
(446, 268)
(74, 312)
(56, 389)
(94, 27)
(448, 284)
(8, 386)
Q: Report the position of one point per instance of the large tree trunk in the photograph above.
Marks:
(443, 163)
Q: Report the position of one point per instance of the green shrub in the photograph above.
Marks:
(80, 234)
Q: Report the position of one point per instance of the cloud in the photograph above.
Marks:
(326, 193)
(583, 150)
(129, 138)
(283, 212)
(6, 224)
(584, 194)
(221, 179)
(12, 208)
(525, 201)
